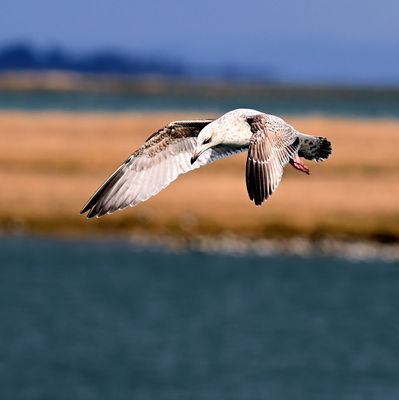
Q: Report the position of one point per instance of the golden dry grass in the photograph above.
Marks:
(51, 163)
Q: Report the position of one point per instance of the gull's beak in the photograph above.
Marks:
(194, 158)
(196, 154)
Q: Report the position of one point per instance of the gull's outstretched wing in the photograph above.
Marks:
(269, 151)
(160, 160)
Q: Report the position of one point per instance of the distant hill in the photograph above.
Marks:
(24, 57)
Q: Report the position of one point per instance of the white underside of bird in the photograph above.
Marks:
(182, 146)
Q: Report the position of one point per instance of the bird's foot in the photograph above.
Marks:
(297, 163)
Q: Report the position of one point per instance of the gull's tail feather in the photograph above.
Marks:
(324, 149)
(316, 148)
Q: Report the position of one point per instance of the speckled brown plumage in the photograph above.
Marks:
(182, 146)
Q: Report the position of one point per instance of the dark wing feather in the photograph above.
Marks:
(269, 151)
(165, 155)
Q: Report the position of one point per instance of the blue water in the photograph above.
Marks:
(105, 320)
(357, 104)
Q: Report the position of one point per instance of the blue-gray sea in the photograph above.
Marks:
(360, 104)
(86, 320)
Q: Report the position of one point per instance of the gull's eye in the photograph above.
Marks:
(206, 141)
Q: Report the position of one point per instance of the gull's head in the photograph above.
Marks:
(231, 129)
(209, 137)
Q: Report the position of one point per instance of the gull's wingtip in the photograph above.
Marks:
(89, 209)
(92, 213)
(84, 209)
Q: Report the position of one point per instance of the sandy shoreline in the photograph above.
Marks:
(51, 163)
(354, 250)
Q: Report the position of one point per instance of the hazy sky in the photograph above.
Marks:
(312, 40)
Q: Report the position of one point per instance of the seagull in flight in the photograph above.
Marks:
(182, 146)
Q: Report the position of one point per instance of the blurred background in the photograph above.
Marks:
(197, 293)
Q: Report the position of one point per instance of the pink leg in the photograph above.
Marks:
(297, 163)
